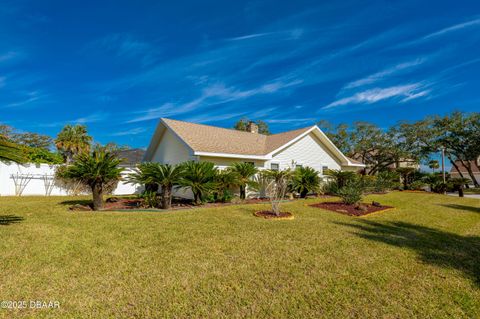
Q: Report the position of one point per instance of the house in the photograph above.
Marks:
(178, 141)
(475, 165)
(131, 157)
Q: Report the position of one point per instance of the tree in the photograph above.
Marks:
(244, 171)
(277, 188)
(11, 152)
(305, 180)
(33, 140)
(459, 135)
(225, 180)
(73, 140)
(199, 177)
(99, 170)
(433, 164)
(242, 125)
(376, 148)
(458, 184)
(166, 176)
(406, 174)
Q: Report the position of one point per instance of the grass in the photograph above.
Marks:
(471, 190)
(420, 260)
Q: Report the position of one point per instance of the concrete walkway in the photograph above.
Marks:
(466, 195)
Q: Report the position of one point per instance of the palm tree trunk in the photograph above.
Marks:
(97, 192)
(166, 197)
(242, 192)
(303, 194)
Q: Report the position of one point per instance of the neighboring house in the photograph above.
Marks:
(463, 170)
(177, 141)
(131, 157)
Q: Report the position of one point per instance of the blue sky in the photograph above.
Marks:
(118, 66)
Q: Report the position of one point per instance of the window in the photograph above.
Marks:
(274, 166)
(324, 169)
(251, 163)
(298, 165)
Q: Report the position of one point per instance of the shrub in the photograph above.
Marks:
(150, 199)
(417, 185)
(387, 180)
(342, 178)
(305, 180)
(351, 193)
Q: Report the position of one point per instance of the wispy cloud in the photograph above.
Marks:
(211, 95)
(134, 131)
(210, 118)
(290, 34)
(403, 92)
(31, 97)
(8, 55)
(456, 27)
(95, 117)
(125, 46)
(291, 120)
(378, 76)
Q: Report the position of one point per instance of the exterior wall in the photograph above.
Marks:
(308, 151)
(171, 150)
(223, 162)
(36, 184)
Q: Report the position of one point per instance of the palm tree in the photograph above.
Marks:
(342, 177)
(98, 170)
(10, 151)
(459, 183)
(166, 176)
(72, 140)
(225, 179)
(199, 177)
(305, 180)
(244, 171)
(433, 164)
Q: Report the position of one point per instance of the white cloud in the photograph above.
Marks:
(95, 117)
(134, 131)
(386, 72)
(407, 92)
(211, 95)
(452, 28)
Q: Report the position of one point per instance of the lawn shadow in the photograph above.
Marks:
(432, 246)
(84, 202)
(6, 220)
(462, 207)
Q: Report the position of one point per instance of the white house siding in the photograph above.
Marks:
(36, 185)
(223, 162)
(171, 150)
(308, 151)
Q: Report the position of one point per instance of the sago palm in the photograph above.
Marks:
(199, 177)
(97, 170)
(245, 172)
(305, 180)
(72, 140)
(166, 176)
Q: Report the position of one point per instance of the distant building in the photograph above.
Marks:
(131, 157)
(475, 164)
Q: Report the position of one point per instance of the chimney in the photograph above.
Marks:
(252, 127)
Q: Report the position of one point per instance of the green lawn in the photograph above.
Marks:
(420, 260)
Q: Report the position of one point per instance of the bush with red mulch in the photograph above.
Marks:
(350, 210)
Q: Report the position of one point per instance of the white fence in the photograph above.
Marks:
(38, 179)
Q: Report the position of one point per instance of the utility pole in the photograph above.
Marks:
(443, 163)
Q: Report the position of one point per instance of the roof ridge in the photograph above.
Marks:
(213, 126)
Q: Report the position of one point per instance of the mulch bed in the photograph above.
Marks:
(271, 215)
(350, 210)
